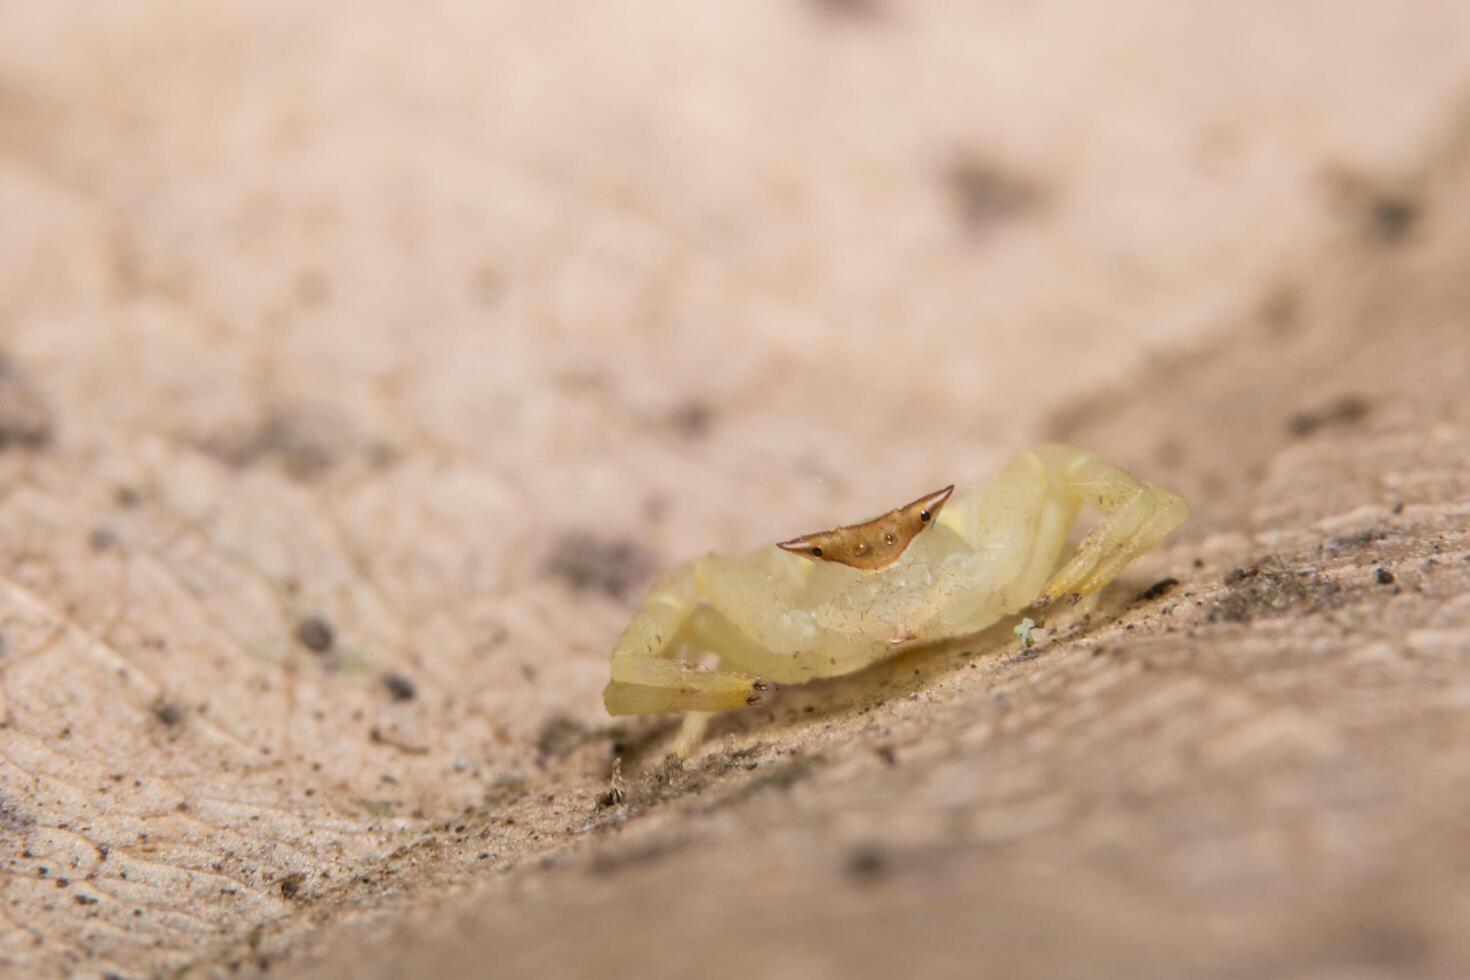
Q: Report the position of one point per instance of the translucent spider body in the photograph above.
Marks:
(782, 614)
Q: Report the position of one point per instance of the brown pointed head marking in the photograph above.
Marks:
(873, 544)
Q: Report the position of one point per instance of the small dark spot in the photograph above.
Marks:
(591, 564)
(1385, 210)
(611, 798)
(887, 754)
(866, 862)
(985, 196)
(304, 440)
(924, 516)
(816, 552)
(560, 735)
(1383, 575)
(1344, 411)
(85, 899)
(25, 414)
(400, 688)
(1398, 508)
(1280, 308)
(1392, 217)
(1241, 574)
(316, 634)
(1032, 653)
(291, 884)
(167, 712)
(1160, 588)
(101, 539)
(14, 821)
(125, 496)
(692, 420)
(849, 9)
(1199, 563)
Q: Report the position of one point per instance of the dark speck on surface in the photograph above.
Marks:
(559, 735)
(316, 634)
(588, 563)
(25, 414)
(167, 713)
(693, 420)
(984, 195)
(400, 688)
(1241, 574)
(1160, 588)
(866, 862)
(1383, 575)
(1392, 217)
(854, 9)
(1345, 411)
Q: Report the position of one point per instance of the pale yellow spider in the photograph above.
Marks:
(831, 603)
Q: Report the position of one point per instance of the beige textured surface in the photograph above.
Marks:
(361, 363)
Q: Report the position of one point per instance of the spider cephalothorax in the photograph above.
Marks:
(872, 544)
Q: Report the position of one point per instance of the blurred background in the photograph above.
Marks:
(360, 365)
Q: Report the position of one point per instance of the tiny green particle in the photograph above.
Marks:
(1023, 632)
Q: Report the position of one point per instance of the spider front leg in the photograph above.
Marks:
(646, 680)
(1136, 516)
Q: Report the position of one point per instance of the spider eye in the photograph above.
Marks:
(924, 516)
(816, 552)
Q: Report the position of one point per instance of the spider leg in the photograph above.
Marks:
(646, 677)
(1136, 516)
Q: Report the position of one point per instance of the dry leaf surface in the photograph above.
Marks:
(359, 366)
